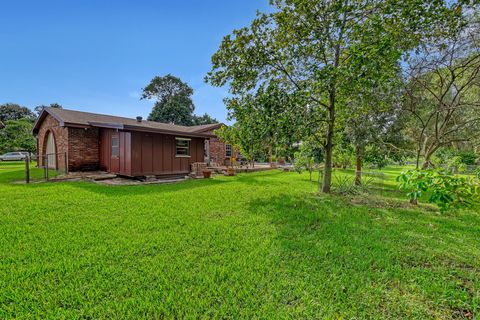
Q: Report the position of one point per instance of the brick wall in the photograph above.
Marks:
(60, 135)
(80, 145)
(217, 152)
(83, 149)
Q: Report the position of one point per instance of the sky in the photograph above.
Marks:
(96, 56)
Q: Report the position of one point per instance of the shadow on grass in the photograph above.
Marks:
(130, 190)
(368, 258)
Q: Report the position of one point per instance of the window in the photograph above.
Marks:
(228, 150)
(183, 147)
(115, 152)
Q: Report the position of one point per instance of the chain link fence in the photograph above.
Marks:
(47, 167)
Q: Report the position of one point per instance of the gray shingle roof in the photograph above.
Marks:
(79, 118)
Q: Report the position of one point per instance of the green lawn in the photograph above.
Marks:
(259, 245)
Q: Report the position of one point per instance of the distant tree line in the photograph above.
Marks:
(16, 124)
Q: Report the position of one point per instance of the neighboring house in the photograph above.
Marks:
(130, 147)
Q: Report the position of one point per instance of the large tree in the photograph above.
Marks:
(13, 111)
(443, 90)
(322, 49)
(174, 102)
(17, 136)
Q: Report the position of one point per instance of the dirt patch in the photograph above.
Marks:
(118, 181)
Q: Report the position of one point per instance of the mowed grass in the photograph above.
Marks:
(260, 245)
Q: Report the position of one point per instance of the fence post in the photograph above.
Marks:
(45, 163)
(27, 169)
(66, 164)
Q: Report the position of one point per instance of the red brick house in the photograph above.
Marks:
(130, 147)
(219, 152)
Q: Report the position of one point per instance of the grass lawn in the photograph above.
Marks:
(259, 245)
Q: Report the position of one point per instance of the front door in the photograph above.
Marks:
(115, 153)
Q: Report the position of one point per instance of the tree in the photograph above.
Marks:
(39, 109)
(13, 111)
(443, 91)
(266, 121)
(17, 136)
(174, 102)
(244, 135)
(205, 119)
(373, 111)
(321, 49)
(305, 159)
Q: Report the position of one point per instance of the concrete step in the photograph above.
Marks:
(103, 176)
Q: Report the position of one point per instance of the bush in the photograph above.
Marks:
(455, 164)
(446, 190)
(468, 157)
(376, 157)
(304, 161)
(344, 185)
(477, 173)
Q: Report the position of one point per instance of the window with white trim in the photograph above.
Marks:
(228, 150)
(182, 146)
(115, 151)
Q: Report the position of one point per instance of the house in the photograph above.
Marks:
(131, 147)
(218, 152)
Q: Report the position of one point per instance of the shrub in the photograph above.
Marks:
(415, 182)
(344, 185)
(456, 164)
(446, 190)
(304, 161)
(468, 157)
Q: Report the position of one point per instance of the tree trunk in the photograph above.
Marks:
(327, 171)
(428, 155)
(358, 165)
(418, 159)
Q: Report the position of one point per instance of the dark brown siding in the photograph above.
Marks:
(124, 140)
(154, 154)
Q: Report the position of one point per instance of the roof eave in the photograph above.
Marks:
(108, 125)
(170, 132)
(214, 126)
(42, 116)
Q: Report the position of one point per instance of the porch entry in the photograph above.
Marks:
(115, 153)
(207, 152)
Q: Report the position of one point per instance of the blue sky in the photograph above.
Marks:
(97, 55)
